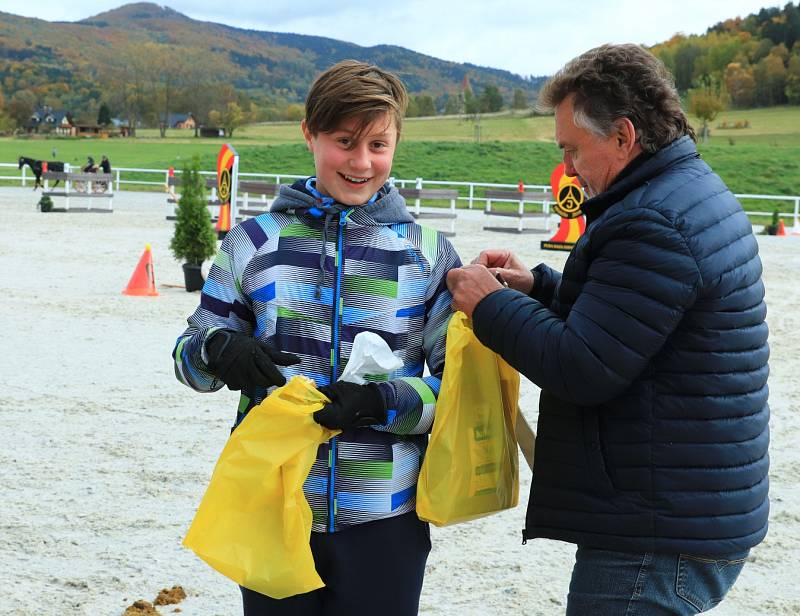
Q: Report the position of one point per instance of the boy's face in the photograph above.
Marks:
(352, 170)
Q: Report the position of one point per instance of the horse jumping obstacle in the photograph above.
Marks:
(520, 214)
(245, 206)
(418, 194)
(89, 180)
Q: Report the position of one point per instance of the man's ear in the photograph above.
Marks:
(625, 136)
(307, 135)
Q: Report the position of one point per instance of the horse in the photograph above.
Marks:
(36, 167)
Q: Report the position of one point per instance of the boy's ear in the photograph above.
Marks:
(307, 135)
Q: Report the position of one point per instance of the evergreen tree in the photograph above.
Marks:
(491, 100)
(194, 239)
(104, 115)
(425, 106)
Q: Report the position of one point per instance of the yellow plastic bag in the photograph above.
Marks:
(471, 468)
(254, 523)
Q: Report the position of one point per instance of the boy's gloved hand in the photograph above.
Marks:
(351, 406)
(242, 361)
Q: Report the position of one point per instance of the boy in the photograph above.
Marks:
(339, 254)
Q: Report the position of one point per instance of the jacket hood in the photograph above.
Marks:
(389, 207)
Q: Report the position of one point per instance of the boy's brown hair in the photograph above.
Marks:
(352, 89)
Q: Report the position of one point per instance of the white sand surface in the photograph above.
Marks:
(104, 455)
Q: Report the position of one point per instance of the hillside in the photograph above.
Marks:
(74, 65)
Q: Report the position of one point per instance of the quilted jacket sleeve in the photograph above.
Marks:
(641, 279)
(222, 305)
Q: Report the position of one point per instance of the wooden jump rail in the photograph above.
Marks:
(445, 194)
(265, 190)
(175, 180)
(68, 192)
(521, 198)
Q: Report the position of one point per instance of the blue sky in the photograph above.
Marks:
(522, 36)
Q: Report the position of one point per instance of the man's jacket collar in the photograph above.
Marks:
(638, 172)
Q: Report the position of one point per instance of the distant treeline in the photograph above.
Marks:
(752, 61)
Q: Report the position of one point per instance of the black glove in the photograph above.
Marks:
(242, 361)
(352, 406)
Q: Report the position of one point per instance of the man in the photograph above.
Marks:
(650, 349)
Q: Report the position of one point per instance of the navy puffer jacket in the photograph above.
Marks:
(651, 352)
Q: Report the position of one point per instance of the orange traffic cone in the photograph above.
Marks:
(143, 281)
(781, 228)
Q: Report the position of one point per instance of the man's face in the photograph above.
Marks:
(352, 170)
(594, 159)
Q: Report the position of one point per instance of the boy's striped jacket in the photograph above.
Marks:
(306, 278)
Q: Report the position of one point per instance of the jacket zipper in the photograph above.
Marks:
(335, 343)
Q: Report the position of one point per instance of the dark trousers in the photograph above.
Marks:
(369, 569)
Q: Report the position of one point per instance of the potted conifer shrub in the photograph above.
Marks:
(194, 239)
(772, 229)
(45, 204)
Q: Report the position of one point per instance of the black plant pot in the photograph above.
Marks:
(193, 277)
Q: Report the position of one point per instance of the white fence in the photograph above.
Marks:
(159, 178)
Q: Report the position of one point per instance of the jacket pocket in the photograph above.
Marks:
(703, 581)
(593, 448)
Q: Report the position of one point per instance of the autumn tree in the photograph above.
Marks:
(770, 76)
(165, 74)
(128, 92)
(6, 122)
(705, 103)
(201, 90)
(294, 112)
(741, 85)
(229, 119)
(21, 107)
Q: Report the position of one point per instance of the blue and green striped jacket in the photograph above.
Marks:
(383, 273)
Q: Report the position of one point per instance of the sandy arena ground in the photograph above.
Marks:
(105, 456)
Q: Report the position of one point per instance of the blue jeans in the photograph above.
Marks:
(606, 583)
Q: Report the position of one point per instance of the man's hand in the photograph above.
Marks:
(351, 406)
(469, 285)
(242, 361)
(509, 267)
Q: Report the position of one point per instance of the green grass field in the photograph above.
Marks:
(762, 159)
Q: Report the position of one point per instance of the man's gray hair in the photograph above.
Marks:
(612, 82)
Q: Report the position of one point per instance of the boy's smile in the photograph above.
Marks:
(349, 167)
